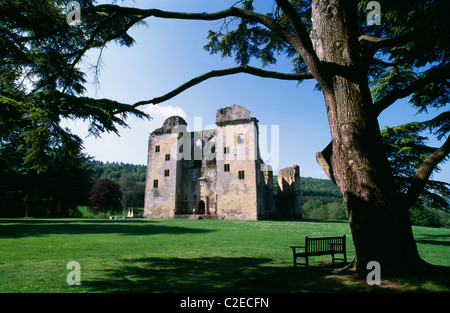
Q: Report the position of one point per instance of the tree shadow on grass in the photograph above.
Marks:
(441, 239)
(25, 228)
(216, 274)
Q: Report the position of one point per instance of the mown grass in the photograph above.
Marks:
(138, 255)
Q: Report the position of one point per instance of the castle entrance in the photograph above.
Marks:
(201, 207)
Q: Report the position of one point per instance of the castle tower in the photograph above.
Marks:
(214, 173)
(237, 163)
(163, 168)
(288, 193)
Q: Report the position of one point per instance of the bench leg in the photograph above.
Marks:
(295, 257)
(306, 259)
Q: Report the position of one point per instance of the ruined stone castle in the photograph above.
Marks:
(216, 173)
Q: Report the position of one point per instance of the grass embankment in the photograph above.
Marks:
(138, 255)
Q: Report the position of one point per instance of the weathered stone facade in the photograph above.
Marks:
(288, 195)
(212, 173)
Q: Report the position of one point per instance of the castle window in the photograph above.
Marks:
(226, 167)
(157, 149)
(166, 173)
(155, 183)
(241, 174)
(211, 156)
(226, 150)
(240, 138)
(167, 157)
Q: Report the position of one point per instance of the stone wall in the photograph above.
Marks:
(288, 195)
(216, 172)
(162, 168)
(237, 186)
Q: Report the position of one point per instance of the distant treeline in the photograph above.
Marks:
(114, 170)
(317, 189)
(321, 199)
(69, 181)
(313, 189)
(130, 177)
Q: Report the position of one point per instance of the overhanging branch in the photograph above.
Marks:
(377, 43)
(144, 13)
(308, 53)
(435, 74)
(424, 171)
(301, 43)
(265, 20)
(230, 71)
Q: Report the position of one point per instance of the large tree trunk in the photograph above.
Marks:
(356, 161)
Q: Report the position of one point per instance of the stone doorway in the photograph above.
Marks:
(201, 207)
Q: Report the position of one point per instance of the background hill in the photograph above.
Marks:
(321, 199)
(130, 177)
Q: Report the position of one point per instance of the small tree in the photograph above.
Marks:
(336, 211)
(105, 196)
(314, 209)
(132, 191)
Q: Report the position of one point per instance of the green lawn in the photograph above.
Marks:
(138, 255)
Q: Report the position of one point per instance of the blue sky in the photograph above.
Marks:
(167, 53)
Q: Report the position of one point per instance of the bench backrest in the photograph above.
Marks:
(325, 244)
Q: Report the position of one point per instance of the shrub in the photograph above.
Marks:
(316, 209)
(425, 216)
(105, 197)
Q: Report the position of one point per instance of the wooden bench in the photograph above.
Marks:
(321, 246)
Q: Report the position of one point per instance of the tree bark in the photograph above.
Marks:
(357, 162)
